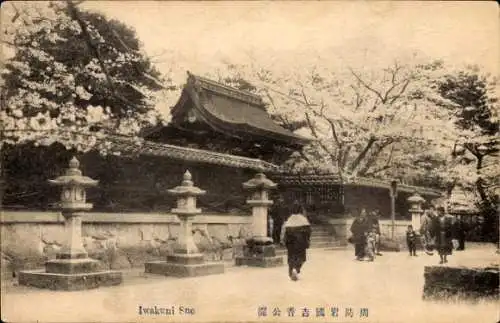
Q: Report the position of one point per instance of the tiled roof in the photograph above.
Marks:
(360, 181)
(126, 145)
(232, 111)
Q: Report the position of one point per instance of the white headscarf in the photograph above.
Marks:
(296, 220)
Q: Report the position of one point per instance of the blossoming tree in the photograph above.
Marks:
(73, 77)
(372, 123)
(473, 164)
(71, 80)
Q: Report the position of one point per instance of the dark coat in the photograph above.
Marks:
(297, 240)
(358, 228)
(411, 237)
(373, 223)
(443, 230)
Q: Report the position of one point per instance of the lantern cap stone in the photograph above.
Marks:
(259, 181)
(187, 187)
(73, 176)
(416, 198)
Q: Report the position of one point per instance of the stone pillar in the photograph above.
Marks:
(393, 192)
(73, 245)
(259, 216)
(186, 261)
(416, 211)
(72, 269)
(260, 250)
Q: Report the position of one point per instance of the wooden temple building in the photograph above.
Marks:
(223, 136)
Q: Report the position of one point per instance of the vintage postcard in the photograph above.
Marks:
(249, 161)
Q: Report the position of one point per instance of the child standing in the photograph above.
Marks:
(371, 237)
(411, 240)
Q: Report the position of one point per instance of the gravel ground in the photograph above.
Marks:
(386, 290)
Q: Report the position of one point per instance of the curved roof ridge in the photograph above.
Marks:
(223, 89)
(192, 154)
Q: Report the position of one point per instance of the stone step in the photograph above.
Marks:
(323, 244)
(313, 241)
(321, 234)
(320, 229)
(322, 238)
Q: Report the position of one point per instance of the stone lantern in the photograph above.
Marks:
(259, 187)
(72, 269)
(186, 261)
(73, 201)
(415, 210)
(259, 251)
(186, 211)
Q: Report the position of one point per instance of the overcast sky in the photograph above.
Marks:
(197, 35)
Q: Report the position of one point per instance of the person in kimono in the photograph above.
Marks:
(443, 233)
(426, 228)
(373, 223)
(296, 237)
(370, 247)
(359, 229)
(278, 214)
(461, 230)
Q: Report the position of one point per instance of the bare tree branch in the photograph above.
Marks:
(334, 133)
(359, 99)
(375, 154)
(362, 154)
(386, 166)
(17, 14)
(345, 156)
(311, 126)
(315, 134)
(368, 87)
(285, 122)
(401, 92)
(305, 98)
(304, 156)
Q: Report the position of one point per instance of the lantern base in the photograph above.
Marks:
(70, 274)
(182, 269)
(260, 261)
(71, 266)
(260, 252)
(69, 282)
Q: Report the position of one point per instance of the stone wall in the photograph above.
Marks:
(120, 241)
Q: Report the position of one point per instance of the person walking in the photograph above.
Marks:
(359, 228)
(296, 237)
(443, 233)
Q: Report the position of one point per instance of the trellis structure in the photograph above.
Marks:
(326, 196)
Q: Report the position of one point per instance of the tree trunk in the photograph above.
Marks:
(362, 154)
(480, 182)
